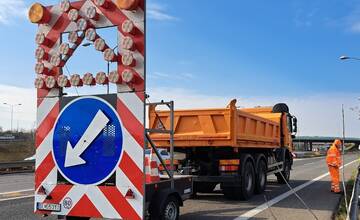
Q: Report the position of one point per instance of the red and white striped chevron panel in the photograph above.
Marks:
(93, 200)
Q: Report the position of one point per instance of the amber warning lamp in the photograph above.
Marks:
(38, 14)
(127, 4)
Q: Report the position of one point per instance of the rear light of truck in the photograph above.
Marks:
(229, 165)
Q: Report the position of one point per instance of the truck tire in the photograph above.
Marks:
(170, 209)
(204, 187)
(280, 108)
(261, 177)
(247, 183)
(284, 177)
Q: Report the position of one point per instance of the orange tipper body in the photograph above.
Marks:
(223, 127)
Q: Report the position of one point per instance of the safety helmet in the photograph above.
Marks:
(337, 143)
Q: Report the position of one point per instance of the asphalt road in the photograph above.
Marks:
(277, 202)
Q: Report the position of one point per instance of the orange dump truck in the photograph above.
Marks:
(237, 148)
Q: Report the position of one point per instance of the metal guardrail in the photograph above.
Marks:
(9, 167)
(354, 202)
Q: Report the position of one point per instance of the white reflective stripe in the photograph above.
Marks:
(48, 187)
(75, 194)
(136, 17)
(134, 104)
(55, 12)
(154, 172)
(121, 88)
(43, 150)
(133, 149)
(126, 184)
(331, 155)
(45, 107)
(101, 203)
(49, 182)
(139, 68)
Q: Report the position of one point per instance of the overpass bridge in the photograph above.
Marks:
(308, 143)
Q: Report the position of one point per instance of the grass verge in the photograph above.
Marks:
(341, 211)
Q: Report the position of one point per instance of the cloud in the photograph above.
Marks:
(179, 76)
(158, 12)
(9, 10)
(318, 115)
(24, 115)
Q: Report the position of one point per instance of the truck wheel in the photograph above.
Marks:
(247, 184)
(285, 177)
(247, 181)
(261, 177)
(170, 210)
(203, 187)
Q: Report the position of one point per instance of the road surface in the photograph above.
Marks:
(309, 178)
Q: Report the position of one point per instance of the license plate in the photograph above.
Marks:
(49, 207)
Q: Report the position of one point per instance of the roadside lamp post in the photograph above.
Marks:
(348, 58)
(12, 112)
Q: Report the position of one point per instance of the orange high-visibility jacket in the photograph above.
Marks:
(333, 157)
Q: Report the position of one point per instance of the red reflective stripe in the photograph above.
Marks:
(120, 204)
(84, 207)
(135, 175)
(130, 122)
(43, 170)
(59, 192)
(46, 125)
(60, 25)
(116, 17)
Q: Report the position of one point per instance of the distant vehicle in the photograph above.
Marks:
(30, 158)
(165, 155)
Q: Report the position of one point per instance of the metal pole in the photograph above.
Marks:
(343, 155)
(172, 142)
(12, 115)
(108, 70)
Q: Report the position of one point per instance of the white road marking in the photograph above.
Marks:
(17, 197)
(277, 199)
(310, 158)
(14, 198)
(19, 191)
(308, 163)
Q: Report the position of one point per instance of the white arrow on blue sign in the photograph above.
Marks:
(87, 141)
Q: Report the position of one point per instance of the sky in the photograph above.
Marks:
(205, 53)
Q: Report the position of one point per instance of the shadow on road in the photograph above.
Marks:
(216, 206)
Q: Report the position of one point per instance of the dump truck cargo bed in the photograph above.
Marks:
(223, 127)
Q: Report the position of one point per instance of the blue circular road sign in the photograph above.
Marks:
(87, 141)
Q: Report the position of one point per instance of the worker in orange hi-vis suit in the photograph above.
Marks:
(333, 160)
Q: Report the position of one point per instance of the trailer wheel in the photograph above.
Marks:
(170, 210)
(284, 176)
(204, 187)
(261, 177)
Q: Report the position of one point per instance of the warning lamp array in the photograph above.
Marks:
(48, 82)
(50, 61)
